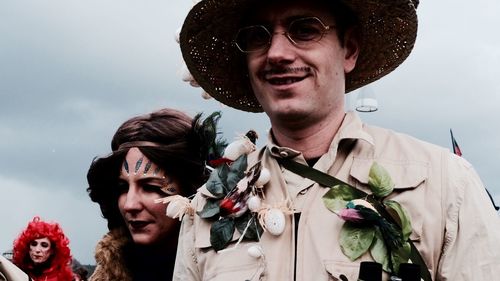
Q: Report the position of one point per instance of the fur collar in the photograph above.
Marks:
(110, 258)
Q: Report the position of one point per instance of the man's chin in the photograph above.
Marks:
(292, 116)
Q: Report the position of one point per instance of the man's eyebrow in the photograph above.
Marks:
(299, 16)
(285, 21)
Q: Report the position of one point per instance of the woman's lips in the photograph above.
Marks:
(138, 225)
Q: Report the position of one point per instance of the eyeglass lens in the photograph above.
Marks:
(257, 37)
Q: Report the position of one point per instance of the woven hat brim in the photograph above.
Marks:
(388, 34)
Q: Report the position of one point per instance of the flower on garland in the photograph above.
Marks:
(177, 207)
(364, 228)
(231, 191)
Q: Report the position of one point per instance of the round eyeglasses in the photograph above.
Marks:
(300, 32)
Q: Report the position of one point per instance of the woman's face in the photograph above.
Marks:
(141, 182)
(40, 250)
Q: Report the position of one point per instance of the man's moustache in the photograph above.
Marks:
(286, 70)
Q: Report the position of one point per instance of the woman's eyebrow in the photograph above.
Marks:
(153, 179)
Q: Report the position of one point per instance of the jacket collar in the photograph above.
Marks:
(351, 128)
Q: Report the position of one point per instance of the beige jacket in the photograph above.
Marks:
(454, 225)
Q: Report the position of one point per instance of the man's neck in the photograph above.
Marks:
(313, 141)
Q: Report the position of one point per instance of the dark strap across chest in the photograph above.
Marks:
(330, 181)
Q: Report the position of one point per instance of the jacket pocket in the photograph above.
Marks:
(234, 264)
(404, 174)
(408, 177)
(339, 271)
(249, 272)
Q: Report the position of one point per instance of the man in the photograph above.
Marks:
(295, 60)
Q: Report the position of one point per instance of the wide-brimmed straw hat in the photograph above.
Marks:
(388, 30)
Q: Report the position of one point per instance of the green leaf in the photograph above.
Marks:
(210, 210)
(216, 183)
(379, 253)
(400, 216)
(380, 181)
(355, 241)
(241, 224)
(378, 250)
(338, 196)
(400, 256)
(221, 233)
(236, 172)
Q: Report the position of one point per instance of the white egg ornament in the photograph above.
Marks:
(254, 203)
(274, 221)
(238, 147)
(255, 251)
(264, 178)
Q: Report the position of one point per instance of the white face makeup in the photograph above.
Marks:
(40, 250)
(141, 182)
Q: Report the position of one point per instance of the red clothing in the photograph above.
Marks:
(52, 274)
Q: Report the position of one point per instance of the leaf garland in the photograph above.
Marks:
(221, 233)
(355, 240)
(222, 181)
(364, 228)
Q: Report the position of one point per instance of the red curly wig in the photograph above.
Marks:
(61, 256)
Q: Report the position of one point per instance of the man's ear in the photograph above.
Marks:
(351, 47)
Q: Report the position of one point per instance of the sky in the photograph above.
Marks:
(72, 71)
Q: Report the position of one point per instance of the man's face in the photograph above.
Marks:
(300, 83)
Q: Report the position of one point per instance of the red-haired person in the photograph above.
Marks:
(42, 251)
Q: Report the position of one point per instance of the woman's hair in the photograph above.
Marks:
(169, 138)
(36, 229)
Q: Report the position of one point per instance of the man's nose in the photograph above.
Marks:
(281, 49)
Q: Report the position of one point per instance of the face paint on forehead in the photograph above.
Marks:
(138, 165)
(125, 166)
(147, 167)
(157, 170)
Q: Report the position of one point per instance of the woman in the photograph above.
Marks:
(154, 156)
(42, 251)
